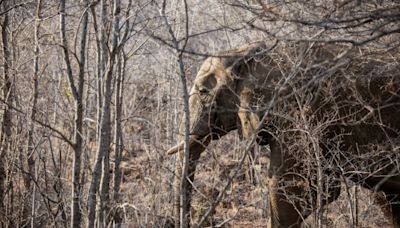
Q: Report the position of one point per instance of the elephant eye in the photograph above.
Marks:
(202, 89)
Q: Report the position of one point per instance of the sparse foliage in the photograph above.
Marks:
(94, 92)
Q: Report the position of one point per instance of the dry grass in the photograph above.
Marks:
(147, 193)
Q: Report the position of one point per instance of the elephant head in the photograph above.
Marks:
(223, 99)
(212, 104)
(226, 93)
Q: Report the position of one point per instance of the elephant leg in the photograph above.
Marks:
(390, 206)
(291, 198)
(249, 123)
(290, 205)
(193, 159)
(283, 211)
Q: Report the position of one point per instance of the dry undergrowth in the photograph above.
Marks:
(147, 192)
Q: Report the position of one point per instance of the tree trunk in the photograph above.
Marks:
(104, 144)
(103, 57)
(119, 144)
(77, 92)
(105, 131)
(7, 96)
(30, 162)
(181, 196)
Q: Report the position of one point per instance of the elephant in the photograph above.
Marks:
(329, 113)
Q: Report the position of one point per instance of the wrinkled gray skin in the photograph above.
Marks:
(363, 108)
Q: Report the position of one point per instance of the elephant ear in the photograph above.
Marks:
(239, 66)
(236, 60)
(234, 65)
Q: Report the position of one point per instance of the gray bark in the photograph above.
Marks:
(103, 57)
(77, 92)
(30, 162)
(119, 144)
(6, 112)
(77, 186)
(105, 131)
(105, 178)
(181, 210)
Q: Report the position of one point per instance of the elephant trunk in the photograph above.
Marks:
(201, 119)
(196, 146)
(198, 140)
(195, 151)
